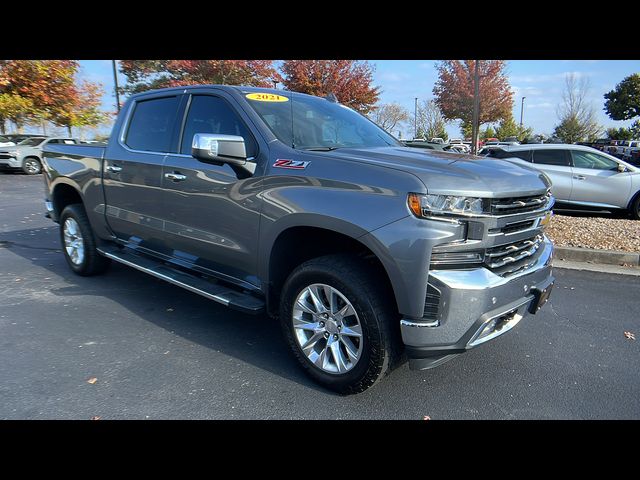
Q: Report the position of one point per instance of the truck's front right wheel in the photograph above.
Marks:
(339, 323)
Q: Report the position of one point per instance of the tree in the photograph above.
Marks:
(145, 75)
(454, 91)
(47, 90)
(16, 109)
(489, 132)
(349, 80)
(509, 128)
(577, 116)
(389, 116)
(623, 102)
(619, 133)
(431, 123)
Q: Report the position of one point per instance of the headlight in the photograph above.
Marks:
(425, 206)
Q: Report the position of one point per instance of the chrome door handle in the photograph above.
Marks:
(114, 168)
(176, 177)
(580, 177)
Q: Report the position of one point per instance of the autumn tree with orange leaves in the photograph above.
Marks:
(349, 80)
(454, 88)
(145, 75)
(47, 90)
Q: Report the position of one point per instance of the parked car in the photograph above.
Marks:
(27, 155)
(628, 147)
(581, 177)
(458, 145)
(423, 144)
(600, 143)
(19, 137)
(6, 141)
(273, 201)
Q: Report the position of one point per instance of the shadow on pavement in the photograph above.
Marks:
(253, 339)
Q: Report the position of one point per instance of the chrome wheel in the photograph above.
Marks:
(327, 328)
(73, 242)
(32, 166)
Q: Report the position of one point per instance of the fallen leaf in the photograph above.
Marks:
(92, 380)
(96, 418)
(629, 335)
(426, 417)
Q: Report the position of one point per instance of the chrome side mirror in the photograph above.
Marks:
(230, 149)
(621, 168)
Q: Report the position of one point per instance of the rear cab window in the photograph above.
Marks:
(151, 125)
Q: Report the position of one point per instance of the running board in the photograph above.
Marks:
(243, 302)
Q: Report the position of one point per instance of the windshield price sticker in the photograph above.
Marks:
(266, 97)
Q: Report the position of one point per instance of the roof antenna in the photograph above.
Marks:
(332, 98)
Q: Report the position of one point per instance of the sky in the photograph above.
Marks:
(401, 81)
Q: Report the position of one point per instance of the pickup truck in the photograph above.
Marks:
(272, 202)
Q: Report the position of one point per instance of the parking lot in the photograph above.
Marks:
(126, 345)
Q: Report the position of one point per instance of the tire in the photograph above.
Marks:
(31, 166)
(378, 349)
(78, 242)
(635, 208)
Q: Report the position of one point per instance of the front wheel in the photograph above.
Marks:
(79, 244)
(31, 166)
(340, 323)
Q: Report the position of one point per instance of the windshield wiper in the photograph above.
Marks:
(320, 149)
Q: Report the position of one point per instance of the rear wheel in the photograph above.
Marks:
(78, 242)
(635, 208)
(340, 323)
(31, 166)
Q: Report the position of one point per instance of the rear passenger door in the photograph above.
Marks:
(556, 163)
(133, 170)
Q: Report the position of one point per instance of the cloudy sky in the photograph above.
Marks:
(401, 81)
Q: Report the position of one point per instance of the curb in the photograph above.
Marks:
(607, 257)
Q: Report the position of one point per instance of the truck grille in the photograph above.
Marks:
(502, 255)
(508, 206)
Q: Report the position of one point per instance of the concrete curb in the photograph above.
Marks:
(607, 257)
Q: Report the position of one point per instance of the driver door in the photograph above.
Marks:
(596, 180)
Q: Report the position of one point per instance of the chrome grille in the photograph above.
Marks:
(508, 206)
(502, 255)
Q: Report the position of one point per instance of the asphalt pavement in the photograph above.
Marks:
(125, 345)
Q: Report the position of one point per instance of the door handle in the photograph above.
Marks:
(580, 177)
(175, 176)
(114, 168)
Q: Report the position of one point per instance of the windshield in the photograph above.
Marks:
(319, 124)
(32, 142)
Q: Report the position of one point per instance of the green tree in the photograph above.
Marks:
(17, 109)
(488, 132)
(619, 133)
(623, 102)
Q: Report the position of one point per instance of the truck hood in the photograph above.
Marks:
(454, 174)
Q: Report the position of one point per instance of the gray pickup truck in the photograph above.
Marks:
(269, 201)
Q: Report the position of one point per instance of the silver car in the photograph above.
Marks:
(27, 155)
(581, 177)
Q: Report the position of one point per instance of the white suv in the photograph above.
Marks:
(581, 177)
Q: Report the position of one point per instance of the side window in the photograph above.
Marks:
(209, 114)
(522, 155)
(551, 157)
(151, 125)
(55, 140)
(593, 161)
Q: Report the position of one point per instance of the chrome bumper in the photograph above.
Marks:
(470, 300)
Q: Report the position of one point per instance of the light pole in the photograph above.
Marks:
(415, 119)
(522, 111)
(476, 107)
(115, 82)
(275, 84)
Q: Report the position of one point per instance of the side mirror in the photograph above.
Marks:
(230, 149)
(621, 168)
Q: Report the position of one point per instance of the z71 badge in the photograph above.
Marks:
(295, 164)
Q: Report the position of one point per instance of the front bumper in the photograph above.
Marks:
(469, 300)
(9, 162)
